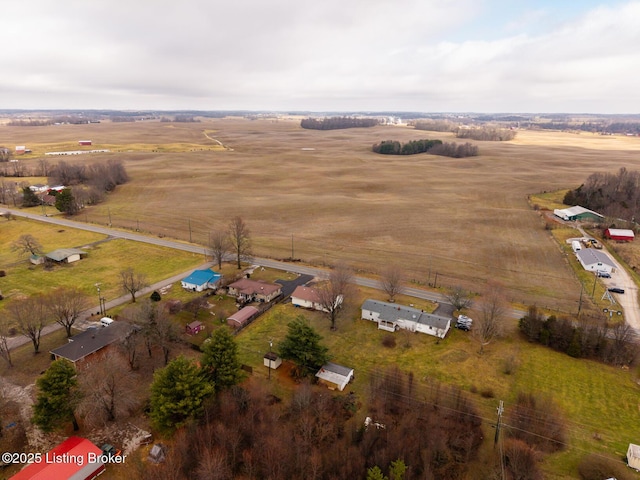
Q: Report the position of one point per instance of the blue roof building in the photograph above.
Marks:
(201, 280)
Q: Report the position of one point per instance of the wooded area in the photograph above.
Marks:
(614, 195)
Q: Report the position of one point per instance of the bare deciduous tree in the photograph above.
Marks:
(333, 292)
(27, 244)
(4, 340)
(219, 246)
(490, 315)
(392, 280)
(239, 237)
(65, 305)
(30, 317)
(107, 387)
(459, 298)
(132, 282)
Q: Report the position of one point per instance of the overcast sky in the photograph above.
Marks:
(322, 55)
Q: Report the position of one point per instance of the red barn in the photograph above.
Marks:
(84, 142)
(619, 234)
(74, 458)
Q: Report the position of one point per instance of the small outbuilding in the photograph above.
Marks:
(272, 360)
(334, 376)
(242, 317)
(194, 328)
(66, 255)
(201, 280)
(619, 234)
(633, 456)
(84, 142)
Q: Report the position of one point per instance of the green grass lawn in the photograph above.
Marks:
(102, 264)
(595, 398)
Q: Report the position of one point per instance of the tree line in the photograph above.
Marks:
(434, 147)
(334, 123)
(586, 338)
(614, 195)
(486, 133)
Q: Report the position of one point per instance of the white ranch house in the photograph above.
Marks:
(392, 317)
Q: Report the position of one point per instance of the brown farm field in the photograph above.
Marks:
(330, 197)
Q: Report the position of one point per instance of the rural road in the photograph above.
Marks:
(628, 301)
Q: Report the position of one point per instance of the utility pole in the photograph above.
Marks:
(499, 422)
(292, 257)
(580, 301)
(190, 240)
(435, 281)
(109, 212)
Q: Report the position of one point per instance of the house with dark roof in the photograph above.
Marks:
(66, 255)
(201, 280)
(334, 376)
(392, 317)
(247, 290)
(83, 346)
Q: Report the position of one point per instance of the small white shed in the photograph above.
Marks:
(633, 456)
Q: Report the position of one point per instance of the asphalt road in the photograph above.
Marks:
(288, 267)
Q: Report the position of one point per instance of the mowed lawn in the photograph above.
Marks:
(102, 265)
(597, 401)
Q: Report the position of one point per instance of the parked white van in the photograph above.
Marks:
(106, 321)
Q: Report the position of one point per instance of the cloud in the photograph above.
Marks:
(332, 55)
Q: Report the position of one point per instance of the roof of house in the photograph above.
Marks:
(72, 447)
(271, 356)
(92, 340)
(252, 287)
(63, 253)
(195, 324)
(621, 232)
(201, 277)
(392, 312)
(634, 450)
(589, 256)
(577, 210)
(306, 293)
(244, 314)
(334, 373)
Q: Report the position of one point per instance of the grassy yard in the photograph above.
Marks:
(105, 259)
(598, 401)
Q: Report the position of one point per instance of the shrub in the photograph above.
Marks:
(389, 341)
(597, 467)
(521, 460)
(487, 392)
(155, 296)
(174, 306)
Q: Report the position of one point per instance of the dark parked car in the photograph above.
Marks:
(604, 274)
(616, 290)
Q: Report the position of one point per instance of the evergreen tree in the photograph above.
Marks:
(29, 198)
(220, 359)
(57, 396)
(177, 394)
(302, 346)
(374, 473)
(66, 202)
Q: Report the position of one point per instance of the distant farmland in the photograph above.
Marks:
(327, 197)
